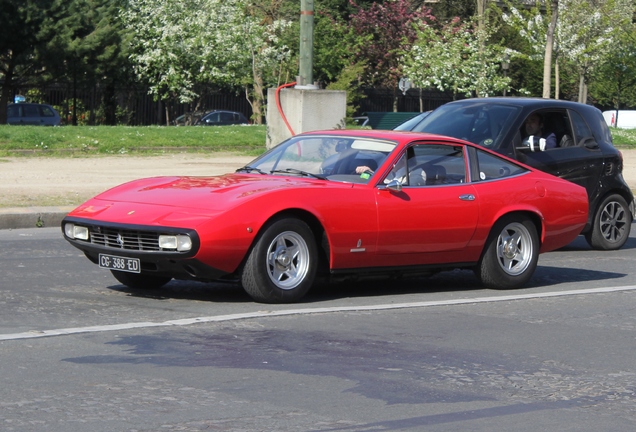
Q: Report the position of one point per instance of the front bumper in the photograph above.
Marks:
(141, 242)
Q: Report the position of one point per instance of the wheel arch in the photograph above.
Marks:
(534, 217)
(628, 197)
(315, 225)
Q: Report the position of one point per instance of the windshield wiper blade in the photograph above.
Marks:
(249, 169)
(299, 172)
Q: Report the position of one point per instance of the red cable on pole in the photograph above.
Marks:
(280, 109)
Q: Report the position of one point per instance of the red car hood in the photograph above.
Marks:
(182, 200)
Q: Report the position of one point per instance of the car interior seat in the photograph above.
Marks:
(435, 174)
(556, 123)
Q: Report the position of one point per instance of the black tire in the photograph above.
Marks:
(611, 225)
(511, 254)
(140, 280)
(281, 267)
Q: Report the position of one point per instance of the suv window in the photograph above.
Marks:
(555, 122)
(581, 129)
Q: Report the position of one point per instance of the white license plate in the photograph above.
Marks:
(112, 262)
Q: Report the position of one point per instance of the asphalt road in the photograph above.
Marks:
(78, 352)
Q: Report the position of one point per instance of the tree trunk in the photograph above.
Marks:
(257, 100)
(549, 43)
(481, 28)
(582, 88)
(557, 83)
(6, 90)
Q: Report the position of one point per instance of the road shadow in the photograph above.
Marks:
(449, 281)
(580, 244)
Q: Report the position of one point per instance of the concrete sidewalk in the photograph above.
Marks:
(32, 217)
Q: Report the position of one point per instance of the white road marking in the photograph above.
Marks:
(261, 314)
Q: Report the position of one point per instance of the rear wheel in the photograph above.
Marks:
(140, 280)
(611, 224)
(511, 254)
(281, 267)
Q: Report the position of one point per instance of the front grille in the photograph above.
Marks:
(125, 239)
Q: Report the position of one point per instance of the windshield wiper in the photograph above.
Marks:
(299, 172)
(249, 169)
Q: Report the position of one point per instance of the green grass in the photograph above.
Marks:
(624, 138)
(69, 141)
(111, 140)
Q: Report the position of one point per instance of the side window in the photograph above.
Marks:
(212, 118)
(13, 111)
(31, 111)
(491, 167)
(432, 165)
(545, 130)
(581, 129)
(227, 117)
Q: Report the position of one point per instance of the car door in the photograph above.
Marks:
(435, 210)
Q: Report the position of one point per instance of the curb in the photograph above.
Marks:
(32, 217)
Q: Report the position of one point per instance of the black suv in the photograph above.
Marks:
(581, 151)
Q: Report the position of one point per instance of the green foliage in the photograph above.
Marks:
(454, 58)
(613, 83)
(19, 35)
(108, 140)
(349, 80)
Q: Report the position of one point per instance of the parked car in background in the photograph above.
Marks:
(32, 114)
(188, 119)
(584, 153)
(222, 118)
(352, 203)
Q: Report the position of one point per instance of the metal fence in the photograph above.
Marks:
(134, 106)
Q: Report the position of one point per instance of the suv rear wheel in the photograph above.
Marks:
(611, 225)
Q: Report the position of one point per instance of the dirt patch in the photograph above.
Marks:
(60, 182)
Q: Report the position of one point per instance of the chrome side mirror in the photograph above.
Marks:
(394, 185)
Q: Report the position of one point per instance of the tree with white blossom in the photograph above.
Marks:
(583, 33)
(181, 47)
(454, 59)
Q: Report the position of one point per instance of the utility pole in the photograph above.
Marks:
(306, 63)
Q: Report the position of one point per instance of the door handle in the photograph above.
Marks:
(467, 197)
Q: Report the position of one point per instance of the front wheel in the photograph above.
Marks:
(511, 254)
(140, 280)
(611, 225)
(281, 267)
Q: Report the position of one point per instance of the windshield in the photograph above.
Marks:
(338, 158)
(483, 123)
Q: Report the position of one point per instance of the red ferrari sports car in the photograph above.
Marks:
(334, 203)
